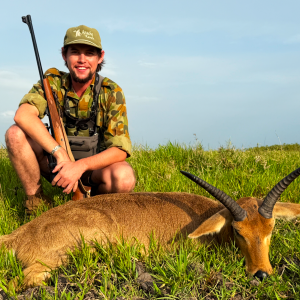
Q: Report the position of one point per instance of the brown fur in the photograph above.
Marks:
(47, 238)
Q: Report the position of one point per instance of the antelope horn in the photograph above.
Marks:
(266, 208)
(237, 212)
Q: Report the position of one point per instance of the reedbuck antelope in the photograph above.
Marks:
(42, 244)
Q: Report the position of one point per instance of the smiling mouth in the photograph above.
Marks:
(81, 68)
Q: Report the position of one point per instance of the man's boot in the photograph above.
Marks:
(33, 202)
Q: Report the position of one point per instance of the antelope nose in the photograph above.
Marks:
(261, 275)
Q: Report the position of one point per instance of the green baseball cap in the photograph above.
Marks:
(83, 35)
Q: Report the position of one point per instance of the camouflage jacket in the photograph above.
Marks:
(111, 117)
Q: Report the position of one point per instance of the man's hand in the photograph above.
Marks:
(68, 172)
(68, 175)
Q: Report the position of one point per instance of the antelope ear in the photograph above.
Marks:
(214, 224)
(286, 210)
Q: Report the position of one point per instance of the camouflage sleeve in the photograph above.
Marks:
(36, 97)
(115, 120)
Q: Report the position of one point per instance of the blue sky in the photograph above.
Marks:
(217, 70)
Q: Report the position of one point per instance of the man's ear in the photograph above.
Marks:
(286, 210)
(62, 54)
(101, 57)
(214, 224)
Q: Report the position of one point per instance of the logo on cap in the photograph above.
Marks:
(85, 33)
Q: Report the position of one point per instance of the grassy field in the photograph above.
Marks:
(187, 270)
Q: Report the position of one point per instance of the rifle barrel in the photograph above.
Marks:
(28, 21)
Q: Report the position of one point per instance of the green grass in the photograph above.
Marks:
(187, 269)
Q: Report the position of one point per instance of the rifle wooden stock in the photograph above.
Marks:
(61, 136)
(58, 128)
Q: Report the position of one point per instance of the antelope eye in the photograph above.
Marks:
(237, 233)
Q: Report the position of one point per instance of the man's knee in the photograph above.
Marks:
(123, 180)
(14, 136)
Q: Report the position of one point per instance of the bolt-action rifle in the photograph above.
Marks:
(55, 119)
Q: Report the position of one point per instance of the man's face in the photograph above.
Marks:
(82, 61)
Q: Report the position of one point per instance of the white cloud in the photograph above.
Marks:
(9, 79)
(8, 114)
(6, 119)
(146, 64)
